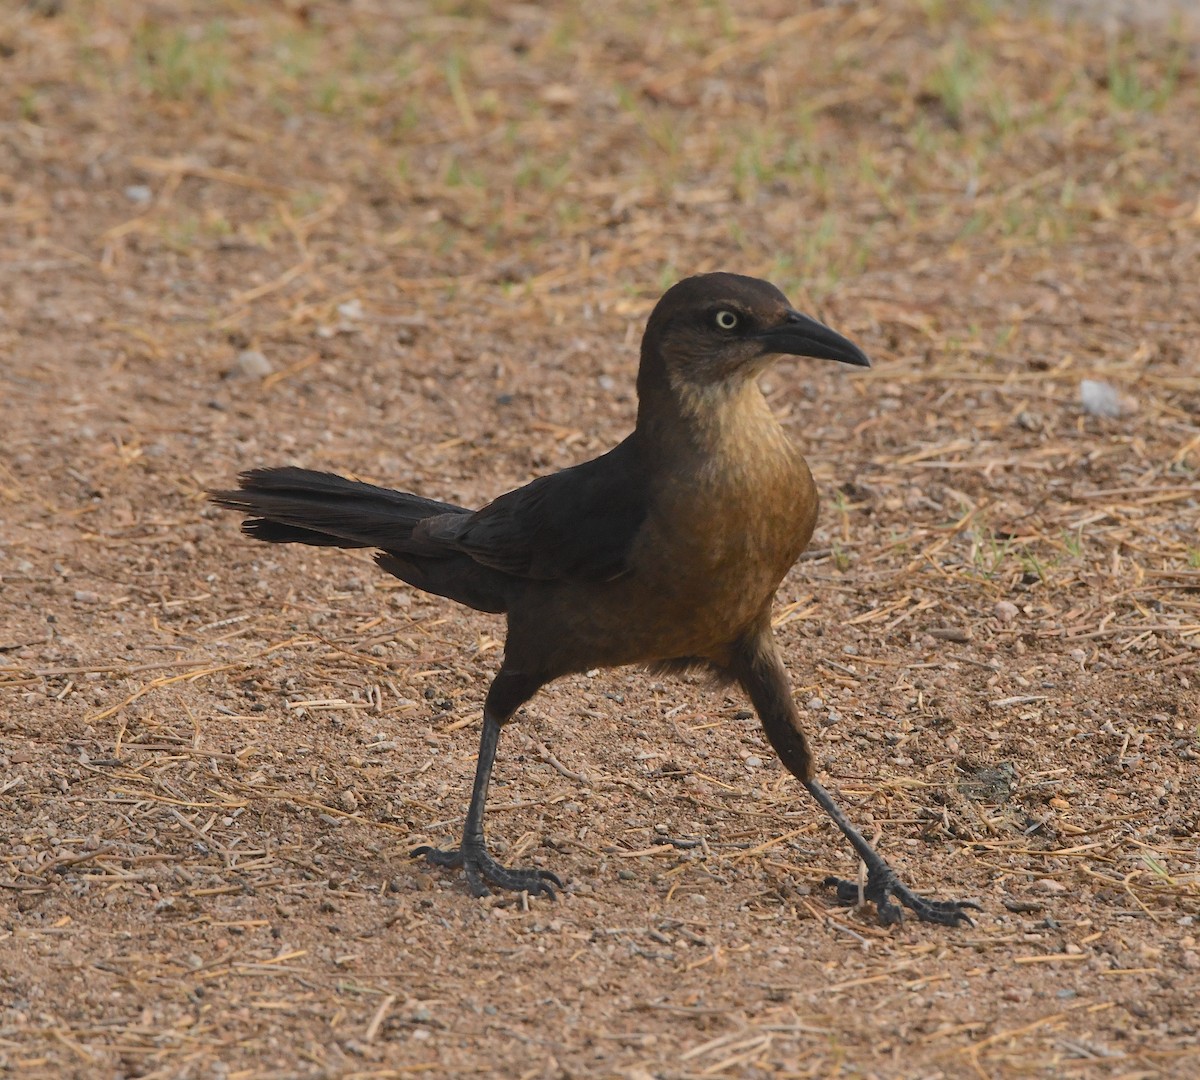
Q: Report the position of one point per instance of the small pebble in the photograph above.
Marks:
(251, 364)
(1100, 399)
(1005, 610)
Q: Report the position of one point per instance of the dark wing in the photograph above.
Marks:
(574, 525)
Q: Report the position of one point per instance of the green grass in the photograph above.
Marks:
(28, 105)
(956, 80)
(1135, 86)
(1073, 542)
(189, 64)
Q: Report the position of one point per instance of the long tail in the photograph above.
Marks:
(301, 506)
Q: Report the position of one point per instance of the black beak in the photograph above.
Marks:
(798, 335)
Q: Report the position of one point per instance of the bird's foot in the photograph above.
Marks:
(480, 868)
(882, 884)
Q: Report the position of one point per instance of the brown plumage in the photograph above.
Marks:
(665, 551)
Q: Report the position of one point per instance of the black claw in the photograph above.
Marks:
(439, 857)
(882, 884)
(480, 869)
(847, 891)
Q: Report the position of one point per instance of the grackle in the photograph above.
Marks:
(666, 551)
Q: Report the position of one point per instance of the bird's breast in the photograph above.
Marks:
(721, 536)
(743, 524)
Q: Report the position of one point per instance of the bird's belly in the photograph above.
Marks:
(725, 579)
(689, 594)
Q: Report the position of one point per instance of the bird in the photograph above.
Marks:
(664, 552)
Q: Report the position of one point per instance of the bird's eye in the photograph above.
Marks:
(725, 320)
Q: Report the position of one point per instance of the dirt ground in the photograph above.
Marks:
(416, 243)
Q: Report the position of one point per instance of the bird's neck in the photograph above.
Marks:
(728, 420)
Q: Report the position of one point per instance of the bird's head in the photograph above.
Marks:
(719, 330)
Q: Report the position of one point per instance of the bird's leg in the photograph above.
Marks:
(472, 855)
(758, 668)
(882, 883)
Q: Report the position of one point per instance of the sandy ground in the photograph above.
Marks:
(417, 243)
(1172, 16)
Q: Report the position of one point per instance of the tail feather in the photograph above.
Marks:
(301, 506)
(274, 533)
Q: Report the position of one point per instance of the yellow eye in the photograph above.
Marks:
(726, 320)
